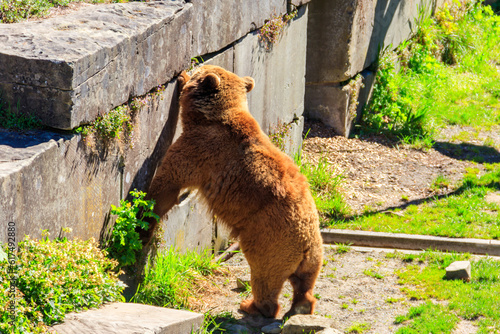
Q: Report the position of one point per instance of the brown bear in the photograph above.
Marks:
(248, 183)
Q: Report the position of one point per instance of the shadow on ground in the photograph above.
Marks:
(469, 152)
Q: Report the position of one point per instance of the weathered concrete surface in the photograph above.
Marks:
(189, 225)
(218, 23)
(52, 184)
(344, 37)
(411, 241)
(128, 318)
(279, 74)
(336, 105)
(70, 68)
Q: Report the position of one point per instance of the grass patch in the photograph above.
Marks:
(325, 185)
(463, 214)
(55, 278)
(448, 76)
(358, 328)
(475, 300)
(173, 278)
(16, 121)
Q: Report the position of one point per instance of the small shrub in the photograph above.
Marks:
(125, 242)
(55, 278)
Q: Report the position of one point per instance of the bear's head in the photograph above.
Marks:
(211, 92)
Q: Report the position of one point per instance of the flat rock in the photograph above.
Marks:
(459, 270)
(301, 323)
(128, 318)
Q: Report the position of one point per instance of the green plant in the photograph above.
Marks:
(16, 121)
(125, 243)
(427, 318)
(439, 183)
(278, 135)
(358, 328)
(324, 186)
(373, 273)
(172, 278)
(55, 278)
(110, 125)
(342, 248)
(272, 29)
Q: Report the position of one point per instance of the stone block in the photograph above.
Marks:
(333, 104)
(128, 318)
(459, 270)
(216, 24)
(70, 68)
(279, 73)
(48, 182)
(301, 323)
(344, 37)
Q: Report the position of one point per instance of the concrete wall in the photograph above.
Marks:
(50, 180)
(69, 69)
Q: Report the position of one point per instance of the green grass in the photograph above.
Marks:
(449, 76)
(53, 279)
(462, 214)
(476, 300)
(358, 328)
(325, 185)
(19, 10)
(172, 278)
(16, 121)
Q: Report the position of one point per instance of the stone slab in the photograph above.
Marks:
(70, 68)
(302, 323)
(129, 318)
(279, 73)
(411, 241)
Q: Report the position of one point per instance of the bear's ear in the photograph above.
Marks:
(249, 83)
(211, 81)
(182, 79)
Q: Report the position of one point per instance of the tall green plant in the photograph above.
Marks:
(125, 242)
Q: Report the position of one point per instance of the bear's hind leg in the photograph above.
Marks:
(303, 281)
(265, 289)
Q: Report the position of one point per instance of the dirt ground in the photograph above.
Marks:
(377, 174)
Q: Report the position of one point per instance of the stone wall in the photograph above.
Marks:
(67, 70)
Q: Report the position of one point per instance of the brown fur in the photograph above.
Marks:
(250, 185)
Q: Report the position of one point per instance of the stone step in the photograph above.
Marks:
(128, 318)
